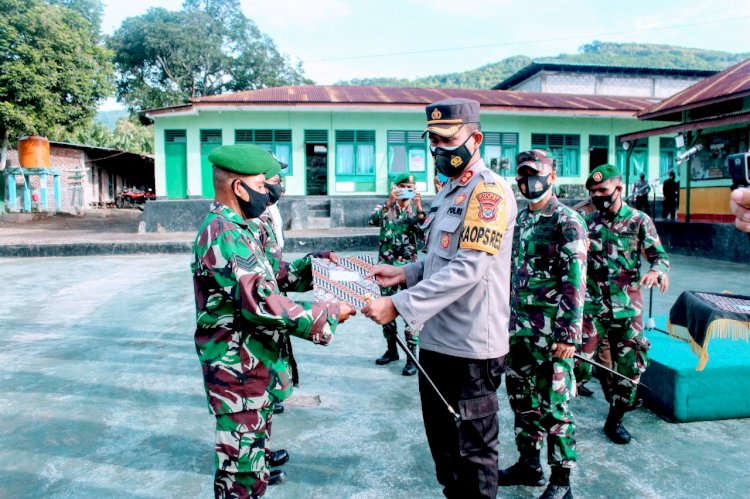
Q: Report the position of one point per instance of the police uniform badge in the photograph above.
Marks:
(436, 114)
(488, 205)
(460, 199)
(445, 241)
(456, 161)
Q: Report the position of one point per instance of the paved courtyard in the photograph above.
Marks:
(102, 397)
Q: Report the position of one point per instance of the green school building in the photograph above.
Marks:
(352, 140)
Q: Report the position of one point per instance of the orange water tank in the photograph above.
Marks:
(33, 152)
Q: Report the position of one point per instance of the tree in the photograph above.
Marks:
(128, 135)
(164, 57)
(53, 68)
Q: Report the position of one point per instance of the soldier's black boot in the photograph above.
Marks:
(613, 427)
(390, 355)
(584, 391)
(559, 484)
(277, 458)
(410, 369)
(527, 471)
(276, 477)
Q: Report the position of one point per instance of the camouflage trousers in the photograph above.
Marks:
(240, 461)
(598, 351)
(390, 330)
(629, 351)
(539, 388)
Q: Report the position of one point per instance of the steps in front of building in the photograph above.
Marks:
(319, 213)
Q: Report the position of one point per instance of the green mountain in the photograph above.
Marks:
(641, 55)
(110, 118)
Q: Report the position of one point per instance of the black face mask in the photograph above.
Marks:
(257, 204)
(452, 161)
(604, 203)
(533, 187)
(274, 192)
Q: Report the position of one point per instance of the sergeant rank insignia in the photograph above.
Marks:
(488, 205)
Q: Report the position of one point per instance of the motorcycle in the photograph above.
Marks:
(131, 197)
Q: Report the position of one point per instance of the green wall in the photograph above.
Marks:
(381, 121)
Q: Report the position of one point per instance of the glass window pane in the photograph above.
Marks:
(345, 159)
(492, 156)
(365, 159)
(397, 159)
(417, 160)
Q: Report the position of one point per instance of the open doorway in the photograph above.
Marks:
(317, 169)
(598, 151)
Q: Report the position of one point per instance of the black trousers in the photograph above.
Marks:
(465, 457)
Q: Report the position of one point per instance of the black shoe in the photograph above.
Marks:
(555, 491)
(410, 369)
(613, 427)
(584, 392)
(616, 432)
(390, 355)
(521, 473)
(277, 458)
(278, 408)
(276, 477)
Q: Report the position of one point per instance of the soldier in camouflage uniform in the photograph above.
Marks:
(400, 232)
(618, 234)
(549, 283)
(241, 317)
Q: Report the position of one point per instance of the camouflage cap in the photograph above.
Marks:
(536, 159)
(446, 117)
(601, 174)
(404, 177)
(245, 159)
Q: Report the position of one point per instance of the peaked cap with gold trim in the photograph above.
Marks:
(446, 117)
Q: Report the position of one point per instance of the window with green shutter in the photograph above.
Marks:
(407, 153)
(566, 149)
(355, 155)
(638, 159)
(277, 142)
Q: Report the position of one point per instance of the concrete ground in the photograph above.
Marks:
(102, 397)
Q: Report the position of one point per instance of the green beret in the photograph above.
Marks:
(601, 174)
(404, 177)
(273, 171)
(245, 159)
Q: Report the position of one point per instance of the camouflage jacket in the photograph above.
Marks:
(400, 233)
(614, 267)
(290, 276)
(549, 273)
(240, 314)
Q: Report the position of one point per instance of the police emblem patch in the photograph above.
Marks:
(597, 176)
(488, 205)
(466, 177)
(460, 199)
(446, 241)
(456, 161)
(436, 114)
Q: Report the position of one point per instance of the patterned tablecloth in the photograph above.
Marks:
(346, 281)
(696, 317)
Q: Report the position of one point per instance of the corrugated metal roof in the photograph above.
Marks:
(732, 83)
(372, 95)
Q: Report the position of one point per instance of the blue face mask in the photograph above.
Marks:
(442, 178)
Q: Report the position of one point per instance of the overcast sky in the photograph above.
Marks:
(340, 40)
